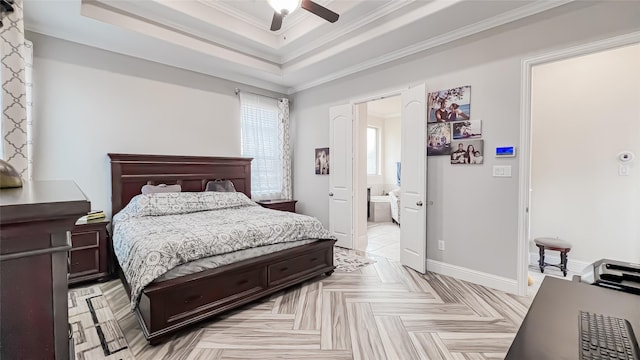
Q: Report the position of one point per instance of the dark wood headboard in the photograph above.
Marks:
(129, 172)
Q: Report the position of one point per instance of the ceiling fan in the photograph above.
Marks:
(285, 7)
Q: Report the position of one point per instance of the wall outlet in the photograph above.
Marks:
(441, 245)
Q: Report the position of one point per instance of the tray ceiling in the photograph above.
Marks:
(231, 38)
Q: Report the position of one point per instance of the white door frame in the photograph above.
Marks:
(525, 136)
(360, 239)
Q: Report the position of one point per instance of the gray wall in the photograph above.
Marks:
(473, 212)
(89, 102)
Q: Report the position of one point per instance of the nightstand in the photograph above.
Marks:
(90, 252)
(282, 205)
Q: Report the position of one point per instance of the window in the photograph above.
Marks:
(373, 146)
(260, 140)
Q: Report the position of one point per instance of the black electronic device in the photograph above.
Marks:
(606, 337)
(613, 274)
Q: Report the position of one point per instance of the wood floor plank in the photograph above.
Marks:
(334, 330)
(266, 322)
(391, 297)
(205, 354)
(495, 356)
(382, 308)
(309, 311)
(260, 339)
(471, 325)
(474, 356)
(481, 343)
(395, 338)
(365, 337)
(289, 301)
(178, 347)
(242, 354)
(429, 346)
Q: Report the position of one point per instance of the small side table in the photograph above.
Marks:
(280, 204)
(90, 252)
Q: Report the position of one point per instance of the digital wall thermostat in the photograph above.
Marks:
(506, 151)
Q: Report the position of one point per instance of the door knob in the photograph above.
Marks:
(330, 194)
(419, 203)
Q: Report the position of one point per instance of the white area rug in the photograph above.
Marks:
(346, 261)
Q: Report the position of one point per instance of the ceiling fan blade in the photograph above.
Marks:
(319, 10)
(276, 23)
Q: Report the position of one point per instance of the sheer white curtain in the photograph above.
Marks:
(260, 128)
(285, 144)
(16, 66)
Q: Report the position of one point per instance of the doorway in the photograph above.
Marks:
(576, 173)
(608, 201)
(383, 173)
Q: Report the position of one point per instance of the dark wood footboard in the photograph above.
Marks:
(171, 305)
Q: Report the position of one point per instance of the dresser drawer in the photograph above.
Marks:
(282, 271)
(84, 262)
(85, 238)
(192, 299)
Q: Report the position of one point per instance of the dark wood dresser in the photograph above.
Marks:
(35, 225)
(90, 251)
(282, 205)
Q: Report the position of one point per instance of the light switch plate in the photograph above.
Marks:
(501, 170)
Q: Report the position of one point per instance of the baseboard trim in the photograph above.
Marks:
(575, 266)
(476, 277)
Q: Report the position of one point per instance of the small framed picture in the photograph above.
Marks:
(438, 139)
(449, 105)
(322, 161)
(468, 129)
(467, 152)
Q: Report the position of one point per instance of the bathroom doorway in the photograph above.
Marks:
(383, 151)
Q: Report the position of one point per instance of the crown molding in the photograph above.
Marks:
(384, 10)
(231, 11)
(507, 17)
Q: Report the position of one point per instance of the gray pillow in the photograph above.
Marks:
(220, 186)
(162, 188)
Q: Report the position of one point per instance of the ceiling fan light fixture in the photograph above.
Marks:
(284, 7)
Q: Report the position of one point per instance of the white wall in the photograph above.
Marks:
(376, 182)
(473, 212)
(392, 151)
(586, 110)
(89, 102)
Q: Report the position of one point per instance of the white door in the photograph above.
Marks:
(341, 174)
(413, 215)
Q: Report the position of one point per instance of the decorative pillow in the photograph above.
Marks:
(162, 188)
(183, 203)
(220, 186)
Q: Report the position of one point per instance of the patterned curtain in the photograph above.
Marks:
(285, 145)
(15, 74)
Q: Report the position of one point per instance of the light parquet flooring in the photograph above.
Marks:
(381, 311)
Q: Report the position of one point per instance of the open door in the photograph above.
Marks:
(413, 215)
(341, 174)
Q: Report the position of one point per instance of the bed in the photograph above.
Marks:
(173, 304)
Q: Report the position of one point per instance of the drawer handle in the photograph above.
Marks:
(284, 269)
(192, 298)
(314, 259)
(242, 282)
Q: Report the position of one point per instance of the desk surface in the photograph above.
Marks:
(550, 329)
